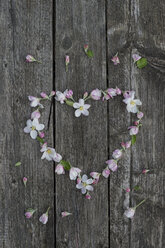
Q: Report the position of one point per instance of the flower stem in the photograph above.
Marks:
(140, 203)
(47, 211)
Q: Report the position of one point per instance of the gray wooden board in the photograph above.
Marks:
(26, 27)
(49, 30)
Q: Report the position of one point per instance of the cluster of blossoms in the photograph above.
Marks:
(35, 129)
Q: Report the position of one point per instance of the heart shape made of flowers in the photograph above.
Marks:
(35, 129)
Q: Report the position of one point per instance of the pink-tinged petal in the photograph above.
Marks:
(128, 190)
(78, 113)
(33, 134)
(106, 173)
(31, 98)
(89, 187)
(140, 115)
(60, 169)
(57, 158)
(84, 178)
(43, 219)
(88, 196)
(64, 214)
(129, 213)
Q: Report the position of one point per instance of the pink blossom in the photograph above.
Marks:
(115, 60)
(64, 214)
(117, 154)
(78, 180)
(42, 135)
(44, 95)
(96, 176)
(88, 196)
(140, 115)
(96, 94)
(133, 130)
(52, 93)
(29, 213)
(44, 217)
(128, 94)
(118, 91)
(35, 101)
(136, 123)
(128, 190)
(106, 97)
(36, 114)
(144, 171)
(67, 59)
(111, 92)
(128, 144)
(74, 172)
(136, 57)
(112, 164)
(106, 173)
(60, 169)
(69, 94)
(30, 58)
(25, 180)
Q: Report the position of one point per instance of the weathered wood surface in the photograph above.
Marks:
(49, 30)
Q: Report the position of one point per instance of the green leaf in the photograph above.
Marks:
(66, 164)
(137, 187)
(18, 164)
(89, 53)
(70, 103)
(141, 63)
(133, 140)
(40, 140)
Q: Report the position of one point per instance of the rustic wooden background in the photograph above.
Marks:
(49, 30)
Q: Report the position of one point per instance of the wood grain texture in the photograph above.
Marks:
(26, 27)
(49, 30)
(148, 226)
(82, 141)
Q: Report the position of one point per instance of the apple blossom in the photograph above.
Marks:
(44, 95)
(111, 92)
(84, 185)
(64, 214)
(118, 91)
(36, 114)
(133, 130)
(95, 176)
(117, 154)
(106, 172)
(35, 101)
(32, 128)
(129, 213)
(115, 59)
(96, 94)
(42, 135)
(24, 181)
(140, 115)
(112, 164)
(81, 108)
(132, 103)
(50, 153)
(30, 58)
(74, 172)
(136, 57)
(29, 213)
(61, 97)
(144, 171)
(69, 94)
(60, 169)
(88, 196)
(44, 217)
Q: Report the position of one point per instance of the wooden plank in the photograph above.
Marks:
(82, 141)
(149, 223)
(118, 41)
(26, 27)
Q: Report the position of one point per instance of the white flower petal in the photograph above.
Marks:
(85, 112)
(84, 178)
(87, 106)
(134, 109)
(27, 129)
(81, 102)
(76, 105)
(34, 103)
(138, 102)
(78, 112)
(35, 122)
(89, 181)
(40, 127)
(33, 134)
(83, 190)
(43, 155)
(29, 123)
(89, 187)
(79, 186)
